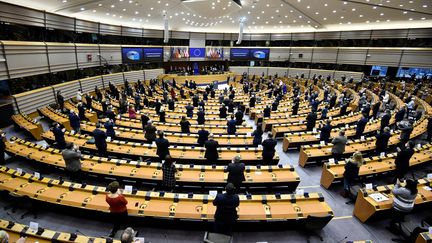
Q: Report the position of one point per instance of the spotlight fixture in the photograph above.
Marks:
(238, 2)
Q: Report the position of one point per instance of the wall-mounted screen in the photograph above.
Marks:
(379, 71)
(406, 72)
(179, 52)
(239, 54)
(249, 54)
(154, 54)
(197, 52)
(132, 55)
(214, 53)
(260, 54)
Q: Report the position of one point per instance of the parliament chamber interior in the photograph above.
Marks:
(215, 121)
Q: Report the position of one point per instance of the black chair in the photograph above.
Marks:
(313, 224)
(352, 193)
(408, 232)
(17, 201)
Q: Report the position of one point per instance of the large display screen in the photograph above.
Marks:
(239, 54)
(197, 52)
(249, 54)
(214, 53)
(379, 71)
(179, 52)
(132, 55)
(154, 54)
(405, 72)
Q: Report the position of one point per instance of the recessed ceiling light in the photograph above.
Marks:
(345, 2)
(307, 6)
(82, 9)
(64, 1)
(268, 5)
(149, 15)
(410, 19)
(342, 17)
(334, 11)
(381, 14)
(324, 18)
(107, 14)
(124, 9)
(325, 4)
(94, 11)
(423, 18)
(136, 12)
(425, 6)
(353, 9)
(367, 21)
(388, 20)
(113, 6)
(374, 7)
(405, 12)
(100, 4)
(316, 13)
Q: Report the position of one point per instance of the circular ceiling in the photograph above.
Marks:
(260, 16)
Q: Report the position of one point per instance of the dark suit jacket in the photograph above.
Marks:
(231, 126)
(74, 120)
(223, 112)
(109, 126)
(59, 136)
(267, 112)
(201, 117)
(402, 159)
(382, 140)
(226, 205)
(202, 136)
(269, 148)
(361, 125)
(385, 121)
(99, 137)
(162, 147)
(235, 173)
(325, 132)
(211, 152)
(311, 121)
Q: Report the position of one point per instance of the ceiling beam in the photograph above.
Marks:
(385, 7)
(316, 22)
(76, 4)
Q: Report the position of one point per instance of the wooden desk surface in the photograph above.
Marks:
(365, 206)
(202, 175)
(162, 205)
(16, 230)
(200, 79)
(376, 165)
(26, 123)
(424, 237)
(182, 153)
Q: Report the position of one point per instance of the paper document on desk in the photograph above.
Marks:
(378, 197)
(427, 188)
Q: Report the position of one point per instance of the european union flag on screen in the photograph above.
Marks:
(197, 52)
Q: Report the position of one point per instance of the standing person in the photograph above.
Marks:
(74, 121)
(324, 112)
(168, 174)
(203, 136)
(402, 159)
(231, 126)
(375, 109)
(429, 128)
(239, 117)
(325, 132)
(399, 116)
(144, 121)
(109, 126)
(385, 119)
(157, 106)
(339, 143)
(257, 134)
(162, 115)
(100, 140)
(403, 202)
(171, 104)
(406, 130)
(236, 172)
(361, 125)
(60, 101)
(150, 132)
(211, 153)
(252, 101)
(223, 112)
(81, 111)
(72, 158)
(268, 149)
(351, 172)
(295, 107)
(266, 112)
(117, 206)
(162, 146)
(2, 148)
(226, 210)
(132, 112)
(189, 110)
(382, 139)
(79, 95)
(58, 132)
(200, 116)
(185, 125)
(311, 121)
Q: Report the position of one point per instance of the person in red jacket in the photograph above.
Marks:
(118, 209)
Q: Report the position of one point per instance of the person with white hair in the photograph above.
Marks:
(128, 235)
(4, 238)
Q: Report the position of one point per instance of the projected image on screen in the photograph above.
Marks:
(406, 72)
(379, 71)
(179, 52)
(260, 54)
(214, 53)
(132, 55)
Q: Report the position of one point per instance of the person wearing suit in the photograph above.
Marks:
(239, 117)
(144, 121)
(157, 106)
(200, 116)
(211, 153)
(74, 121)
(343, 109)
(326, 131)
(295, 106)
(351, 172)
(223, 112)
(60, 100)
(81, 111)
(226, 210)
(189, 110)
(311, 121)
(406, 130)
(231, 126)
(59, 136)
(402, 159)
(109, 126)
(171, 104)
(185, 125)
(382, 139)
(400, 114)
(100, 140)
(236, 172)
(162, 146)
(110, 114)
(252, 101)
(339, 143)
(267, 111)
(268, 150)
(375, 109)
(361, 125)
(203, 136)
(257, 134)
(150, 132)
(385, 120)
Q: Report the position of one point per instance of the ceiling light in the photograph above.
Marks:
(381, 14)
(82, 9)
(324, 18)
(325, 4)
(374, 7)
(425, 6)
(423, 18)
(334, 11)
(410, 19)
(100, 4)
(94, 11)
(316, 13)
(124, 9)
(149, 15)
(345, 2)
(405, 12)
(342, 17)
(308, 7)
(361, 15)
(136, 12)
(353, 9)
(64, 1)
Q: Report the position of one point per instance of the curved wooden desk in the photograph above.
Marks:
(200, 79)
